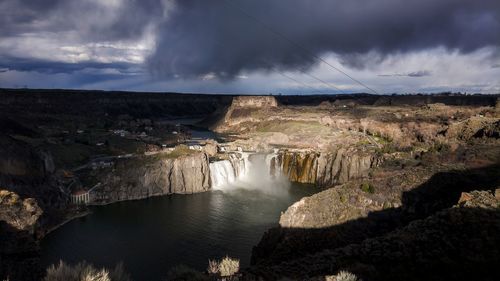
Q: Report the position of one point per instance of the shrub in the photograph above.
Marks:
(346, 276)
(229, 266)
(367, 187)
(84, 272)
(213, 267)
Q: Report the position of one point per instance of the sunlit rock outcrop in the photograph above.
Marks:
(22, 214)
(18, 248)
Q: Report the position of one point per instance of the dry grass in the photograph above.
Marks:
(226, 268)
(84, 272)
(229, 266)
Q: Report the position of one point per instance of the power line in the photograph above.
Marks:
(297, 45)
(322, 81)
(271, 66)
(299, 82)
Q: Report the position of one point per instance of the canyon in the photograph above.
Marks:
(383, 169)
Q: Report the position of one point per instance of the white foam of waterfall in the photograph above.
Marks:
(240, 163)
(274, 168)
(257, 176)
(222, 173)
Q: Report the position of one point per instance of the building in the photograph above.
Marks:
(80, 197)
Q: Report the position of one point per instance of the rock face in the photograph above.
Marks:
(254, 101)
(19, 160)
(445, 246)
(317, 211)
(242, 110)
(154, 176)
(323, 169)
(297, 166)
(332, 218)
(457, 243)
(18, 213)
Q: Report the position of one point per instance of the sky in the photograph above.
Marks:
(252, 46)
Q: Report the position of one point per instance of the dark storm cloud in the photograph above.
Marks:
(93, 20)
(201, 36)
(51, 67)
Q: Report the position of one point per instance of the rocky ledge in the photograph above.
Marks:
(458, 243)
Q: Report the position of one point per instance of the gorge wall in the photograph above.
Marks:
(323, 169)
(153, 176)
(147, 176)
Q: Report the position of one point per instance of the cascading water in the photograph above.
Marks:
(249, 171)
(222, 173)
(240, 163)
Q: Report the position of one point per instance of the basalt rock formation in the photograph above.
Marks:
(376, 232)
(445, 246)
(240, 111)
(153, 176)
(323, 169)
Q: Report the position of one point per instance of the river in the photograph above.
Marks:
(151, 236)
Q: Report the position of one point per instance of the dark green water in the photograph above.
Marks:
(150, 236)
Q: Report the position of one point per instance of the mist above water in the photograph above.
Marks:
(253, 173)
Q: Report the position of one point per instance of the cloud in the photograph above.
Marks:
(201, 37)
(92, 20)
(52, 67)
(415, 74)
(232, 45)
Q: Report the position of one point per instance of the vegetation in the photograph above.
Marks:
(229, 266)
(439, 147)
(226, 268)
(367, 187)
(346, 276)
(84, 272)
(179, 150)
(289, 127)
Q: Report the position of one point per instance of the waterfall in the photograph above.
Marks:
(222, 173)
(249, 171)
(272, 165)
(240, 163)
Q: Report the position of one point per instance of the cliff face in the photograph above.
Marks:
(323, 169)
(254, 101)
(242, 110)
(19, 160)
(142, 178)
